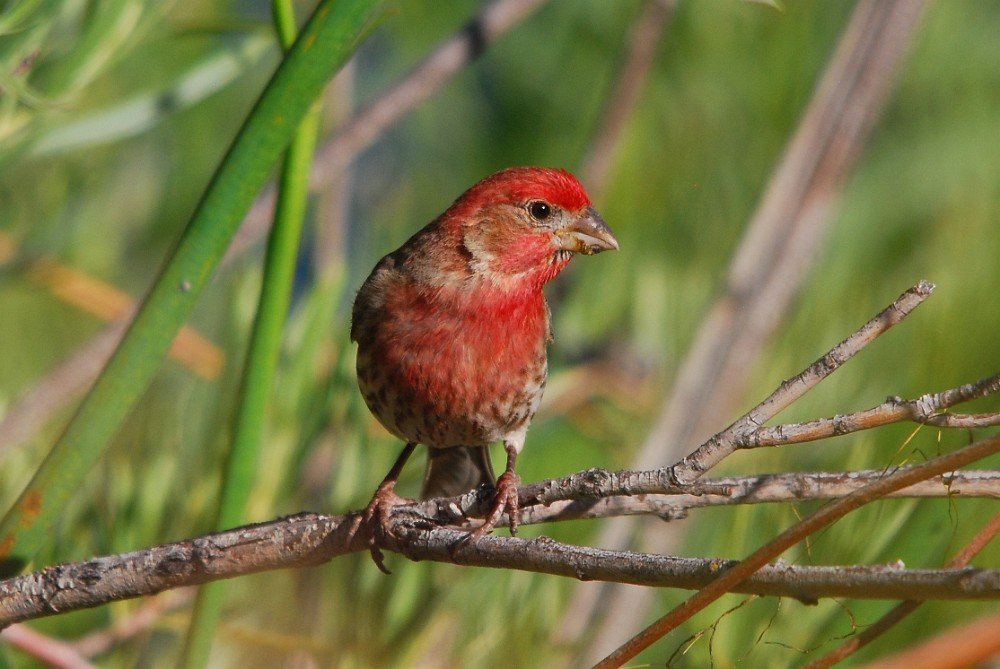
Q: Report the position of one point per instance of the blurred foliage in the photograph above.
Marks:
(113, 115)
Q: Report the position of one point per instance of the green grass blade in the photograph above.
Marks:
(326, 41)
(265, 343)
(263, 353)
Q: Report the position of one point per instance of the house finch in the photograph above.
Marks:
(452, 329)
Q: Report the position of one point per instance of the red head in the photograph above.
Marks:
(519, 227)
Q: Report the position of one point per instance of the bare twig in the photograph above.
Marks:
(774, 548)
(774, 258)
(925, 409)
(722, 444)
(311, 539)
(760, 489)
(594, 493)
(307, 539)
(805, 583)
(576, 496)
(905, 608)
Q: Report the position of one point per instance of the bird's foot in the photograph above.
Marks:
(504, 501)
(376, 519)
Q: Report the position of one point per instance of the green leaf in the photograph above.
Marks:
(263, 354)
(325, 43)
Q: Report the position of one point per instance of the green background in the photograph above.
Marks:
(110, 198)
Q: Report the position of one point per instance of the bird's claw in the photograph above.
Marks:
(504, 501)
(376, 520)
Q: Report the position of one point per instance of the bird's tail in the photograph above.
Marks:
(456, 471)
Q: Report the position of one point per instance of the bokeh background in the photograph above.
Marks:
(113, 116)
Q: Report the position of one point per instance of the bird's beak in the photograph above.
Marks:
(587, 234)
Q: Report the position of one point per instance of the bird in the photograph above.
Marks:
(452, 330)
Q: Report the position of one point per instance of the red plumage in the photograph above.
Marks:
(452, 327)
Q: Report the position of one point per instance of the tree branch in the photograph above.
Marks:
(726, 442)
(310, 539)
(610, 500)
(826, 515)
(767, 270)
(419, 529)
(925, 409)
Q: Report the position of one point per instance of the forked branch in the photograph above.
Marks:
(724, 443)
(426, 530)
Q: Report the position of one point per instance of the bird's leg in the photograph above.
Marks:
(377, 512)
(504, 500)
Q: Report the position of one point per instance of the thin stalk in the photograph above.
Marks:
(263, 352)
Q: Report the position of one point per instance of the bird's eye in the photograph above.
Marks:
(539, 210)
